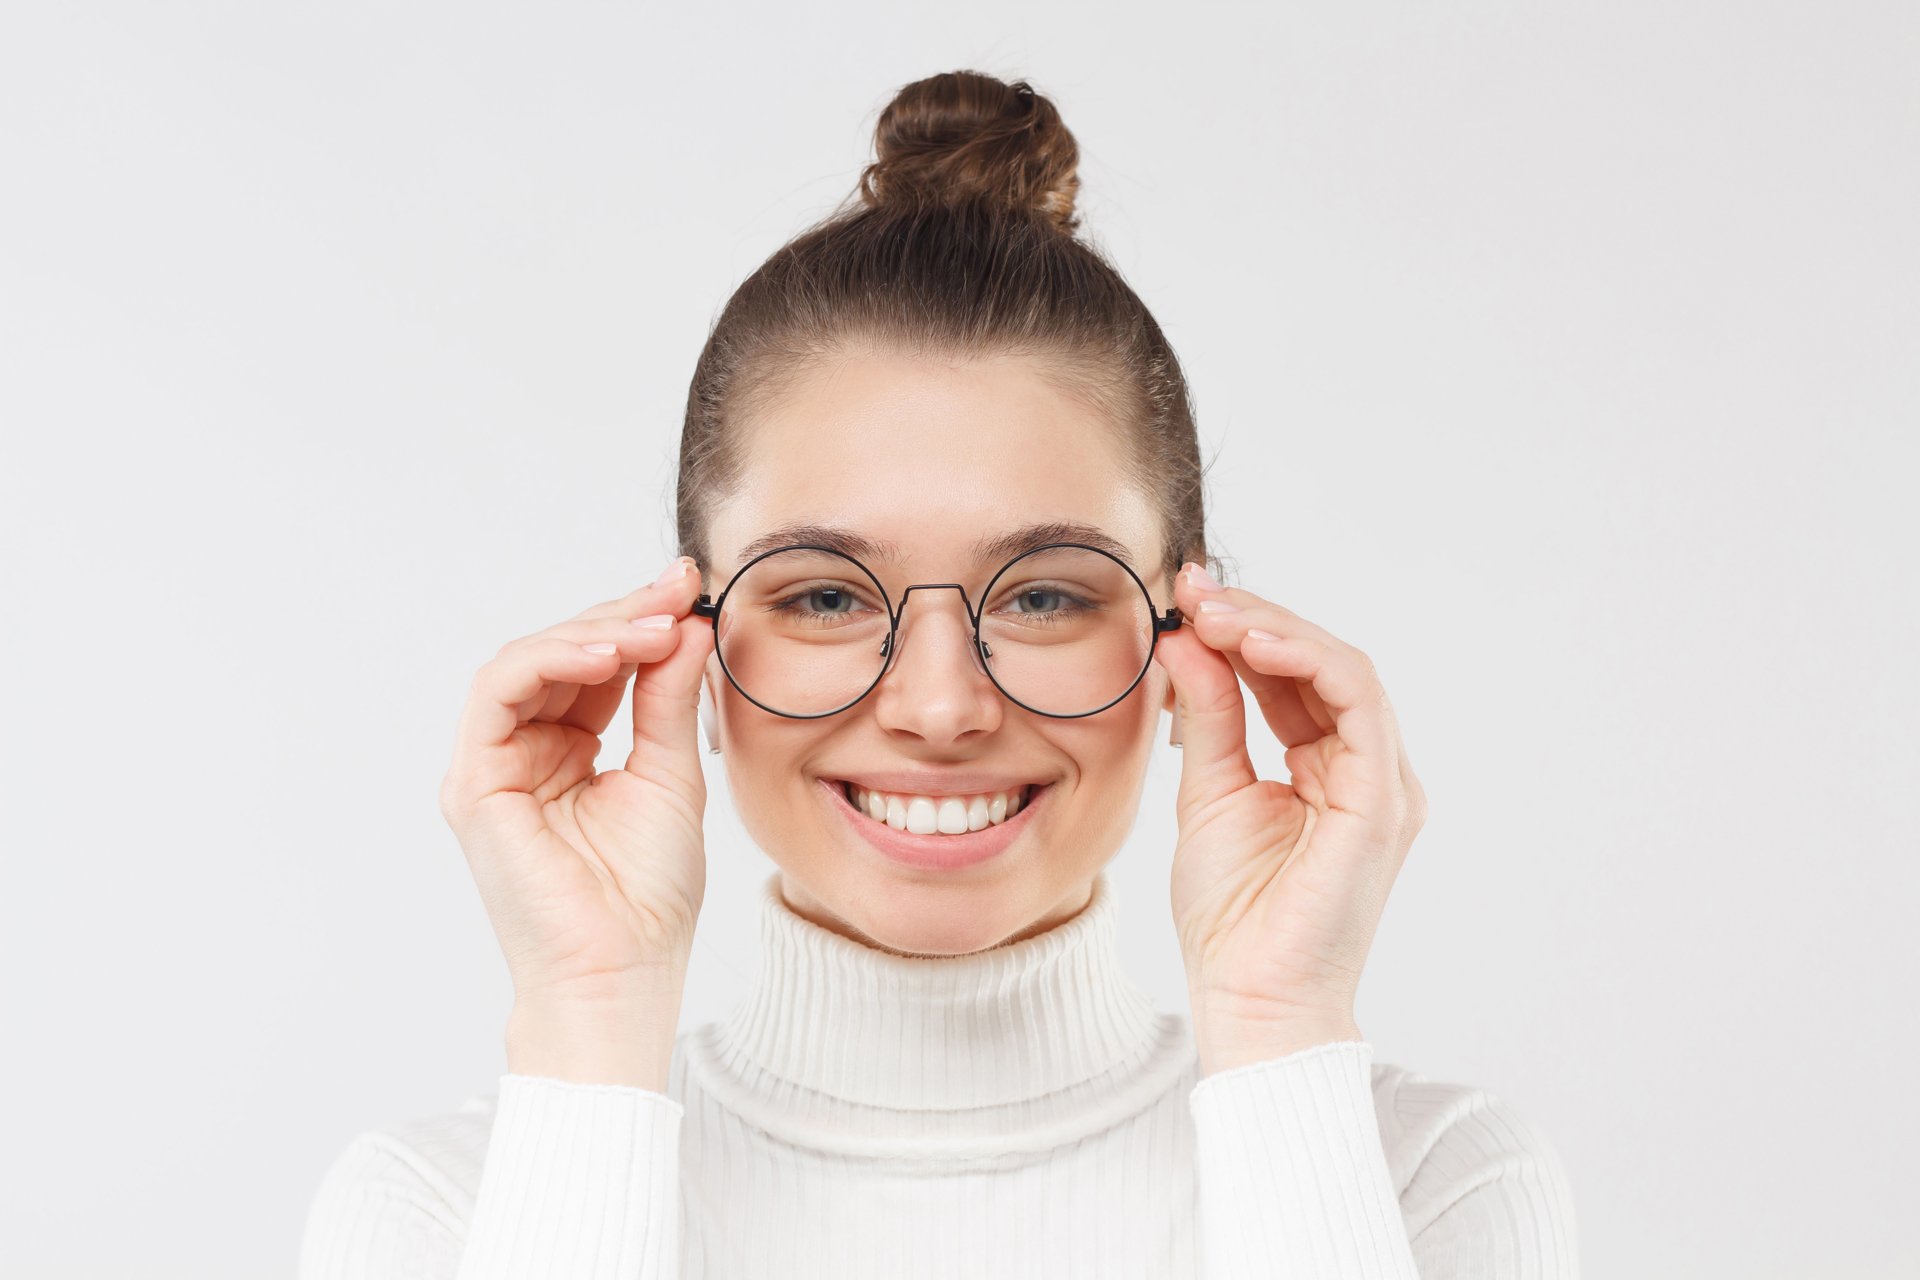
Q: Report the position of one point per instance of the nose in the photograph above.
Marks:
(945, 693)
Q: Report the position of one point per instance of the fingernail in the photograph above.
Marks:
(655, 621)
(600, 648)
(673, 572)
(1218, 606)
(1197, 574)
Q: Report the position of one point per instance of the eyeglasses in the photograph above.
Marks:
(1082, 652)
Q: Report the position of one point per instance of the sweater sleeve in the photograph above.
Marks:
(580, 1181)
(1293, 1180)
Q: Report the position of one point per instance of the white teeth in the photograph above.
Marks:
(928, 815)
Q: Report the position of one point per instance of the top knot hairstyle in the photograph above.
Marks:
(960, 240)
(963, 136)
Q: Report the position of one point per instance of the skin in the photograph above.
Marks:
(594, 881)
(859, 443)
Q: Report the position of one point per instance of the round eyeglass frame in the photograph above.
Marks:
(710, 608)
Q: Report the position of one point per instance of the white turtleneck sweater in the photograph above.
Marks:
(1016, 1112)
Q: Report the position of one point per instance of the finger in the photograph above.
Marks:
(1213, 758)
(1345, 681)
(1343, 693)
(542, 761)
(593, 706)
(1317, 708)
(1285, 704)
(1278, 700)
(673, 592)
(515, 684)
(1188, 595)
(666, 702)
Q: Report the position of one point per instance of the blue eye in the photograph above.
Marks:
(1048, 606)
(1028, 597)
(833, 596)
(827, 602)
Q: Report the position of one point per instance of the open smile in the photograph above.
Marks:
(940, 851)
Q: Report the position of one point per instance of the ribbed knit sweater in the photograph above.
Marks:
(1016, 1112)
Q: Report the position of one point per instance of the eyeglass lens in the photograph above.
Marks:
(1066, 630)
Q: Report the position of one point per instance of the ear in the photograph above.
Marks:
(710, 704)
(1171, 704)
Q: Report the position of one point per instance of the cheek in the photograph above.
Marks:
(1110, 750)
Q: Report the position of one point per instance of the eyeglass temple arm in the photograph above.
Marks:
(705, 607)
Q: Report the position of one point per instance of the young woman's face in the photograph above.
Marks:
(931, 456)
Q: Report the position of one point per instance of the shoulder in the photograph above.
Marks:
(399, 1190)
(1465, 1160)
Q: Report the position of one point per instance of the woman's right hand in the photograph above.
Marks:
(593, 881)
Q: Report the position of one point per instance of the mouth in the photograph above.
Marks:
(938, 850)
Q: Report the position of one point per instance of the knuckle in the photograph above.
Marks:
(1402, 811)
(452, 800)
(482, 680)
(1414, 810)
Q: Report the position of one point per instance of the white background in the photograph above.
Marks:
(1563, 361)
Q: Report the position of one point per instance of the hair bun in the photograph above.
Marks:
(962, 136)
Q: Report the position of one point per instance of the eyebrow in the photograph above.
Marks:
(992, 548)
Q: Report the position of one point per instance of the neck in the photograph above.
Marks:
(1018, 1021)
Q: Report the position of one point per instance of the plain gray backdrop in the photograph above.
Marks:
(1563, 359)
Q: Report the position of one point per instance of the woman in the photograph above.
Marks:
(940, 503)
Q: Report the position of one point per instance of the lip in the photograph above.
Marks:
(934, 853)
(937, 782)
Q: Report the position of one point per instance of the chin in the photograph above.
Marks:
(919, 917)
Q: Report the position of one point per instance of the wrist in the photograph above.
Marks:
(1225, 1042)
(599, 1041)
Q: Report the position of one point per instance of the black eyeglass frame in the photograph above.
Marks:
(710, 608)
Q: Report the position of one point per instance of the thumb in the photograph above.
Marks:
(1213, 720)
(666, 702)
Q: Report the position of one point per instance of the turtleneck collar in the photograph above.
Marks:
(1008, 1025)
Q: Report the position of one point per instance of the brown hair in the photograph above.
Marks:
(962, 242)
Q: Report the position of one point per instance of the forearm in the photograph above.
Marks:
(582, 1181)
(1292, 1177)
(582, 1171)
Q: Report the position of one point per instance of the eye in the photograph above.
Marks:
(1045, 605)
(823, 603)
(1041, 600)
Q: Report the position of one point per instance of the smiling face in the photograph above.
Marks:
(931, 455)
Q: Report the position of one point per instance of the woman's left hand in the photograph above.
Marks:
(1278, 888)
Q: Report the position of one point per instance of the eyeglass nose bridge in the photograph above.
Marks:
(889, 649)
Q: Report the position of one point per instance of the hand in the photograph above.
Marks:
(593, 882)
(1278, 888)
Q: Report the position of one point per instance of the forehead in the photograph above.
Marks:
(933, 462)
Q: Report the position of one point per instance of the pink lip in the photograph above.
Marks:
(935, 853)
